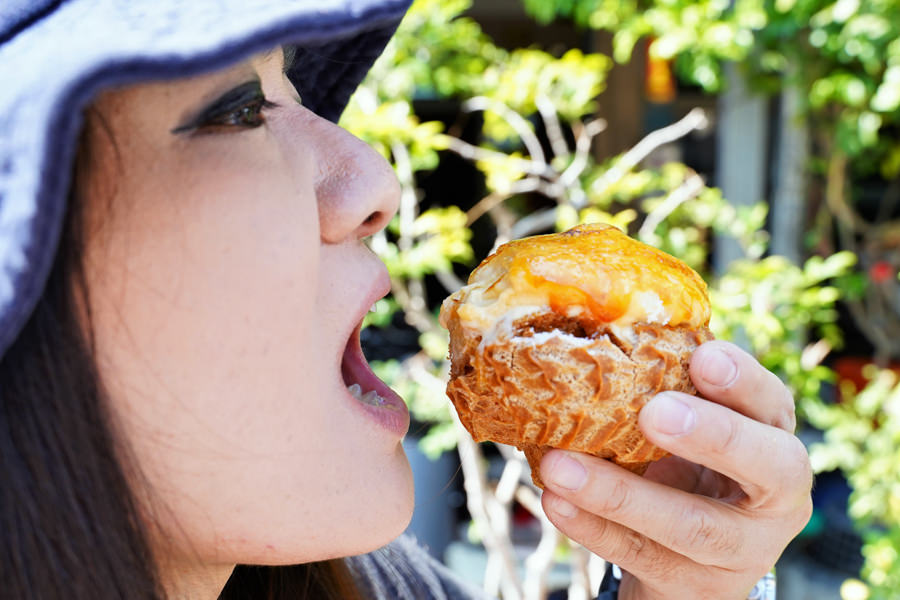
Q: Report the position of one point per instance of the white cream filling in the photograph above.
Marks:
(542, 337)
(653, 308)
(504, 325)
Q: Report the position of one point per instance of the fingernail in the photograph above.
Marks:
(566, 473)
(671, 416)
(563, 507)
(718, 368)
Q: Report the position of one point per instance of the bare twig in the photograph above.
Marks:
(540, 561)
(813, 354)
(529, 499)
(514, 119)
(489, 515)
(484, 205)
(449, 281)
(534, 223)
(696, 119)
(691, 188)
(579, 560)
(408, 201)
(509, 481)
(582, 151)
(547, 110)
(473, 152)
(411, 293)
(836, 194)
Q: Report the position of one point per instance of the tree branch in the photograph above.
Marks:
(552, 126)
(691, 188)
(696, 119)
(514, 119)
(473, 152)
(489, 516)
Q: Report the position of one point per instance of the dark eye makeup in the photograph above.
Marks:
(239, 108)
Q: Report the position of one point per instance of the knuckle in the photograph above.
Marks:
(791, 480)
(633, 549)
(798, 469)
(729, 438)
(786, 417)
(804, 514)
(616, 502)
(598, 535)
(656, 563)
(706, 536)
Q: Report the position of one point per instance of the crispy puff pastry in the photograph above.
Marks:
(559, 340)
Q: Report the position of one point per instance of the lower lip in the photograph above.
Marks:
(392, 415)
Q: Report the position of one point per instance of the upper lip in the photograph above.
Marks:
(378, 287)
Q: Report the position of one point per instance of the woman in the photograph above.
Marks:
(183, 280)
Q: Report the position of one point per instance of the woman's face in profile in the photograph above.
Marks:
(227, 282)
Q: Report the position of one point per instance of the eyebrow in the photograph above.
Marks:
(289, 53)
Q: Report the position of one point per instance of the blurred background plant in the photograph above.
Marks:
(493, 143)
(862, 438)
(840, 63)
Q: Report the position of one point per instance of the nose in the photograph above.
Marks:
(356, 189)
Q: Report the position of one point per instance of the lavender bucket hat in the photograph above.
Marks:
(56, 55)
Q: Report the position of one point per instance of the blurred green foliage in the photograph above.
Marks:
(785, 313)
(440, 53)
(767, 302)
(862, 438)
(843, 55)
(843, 59)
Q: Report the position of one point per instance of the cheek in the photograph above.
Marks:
(212, 275)
(204, 303)
(216, 341)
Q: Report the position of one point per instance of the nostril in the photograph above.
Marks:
(373, 218)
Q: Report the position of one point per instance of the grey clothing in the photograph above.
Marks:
(403, 570)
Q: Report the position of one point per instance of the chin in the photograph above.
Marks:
(383, 513)
(400, 501)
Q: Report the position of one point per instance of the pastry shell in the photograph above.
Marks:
(559, 391)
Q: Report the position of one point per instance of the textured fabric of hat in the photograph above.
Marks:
(55, 55)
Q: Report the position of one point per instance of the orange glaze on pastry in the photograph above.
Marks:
(593, 272)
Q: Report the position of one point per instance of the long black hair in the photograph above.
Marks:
(70, 526)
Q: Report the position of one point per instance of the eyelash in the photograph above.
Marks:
(248, 116)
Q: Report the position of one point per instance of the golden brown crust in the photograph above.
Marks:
(558, 391)
(593, 270)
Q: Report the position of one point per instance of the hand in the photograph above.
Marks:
(711, 520)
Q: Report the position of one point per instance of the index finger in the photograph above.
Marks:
(766, 461)
(725, 374)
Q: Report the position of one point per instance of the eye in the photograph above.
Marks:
(248, 116)
(239, 108)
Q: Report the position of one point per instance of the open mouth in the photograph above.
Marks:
(361, 382)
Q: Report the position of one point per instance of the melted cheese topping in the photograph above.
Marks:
(592, 271)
